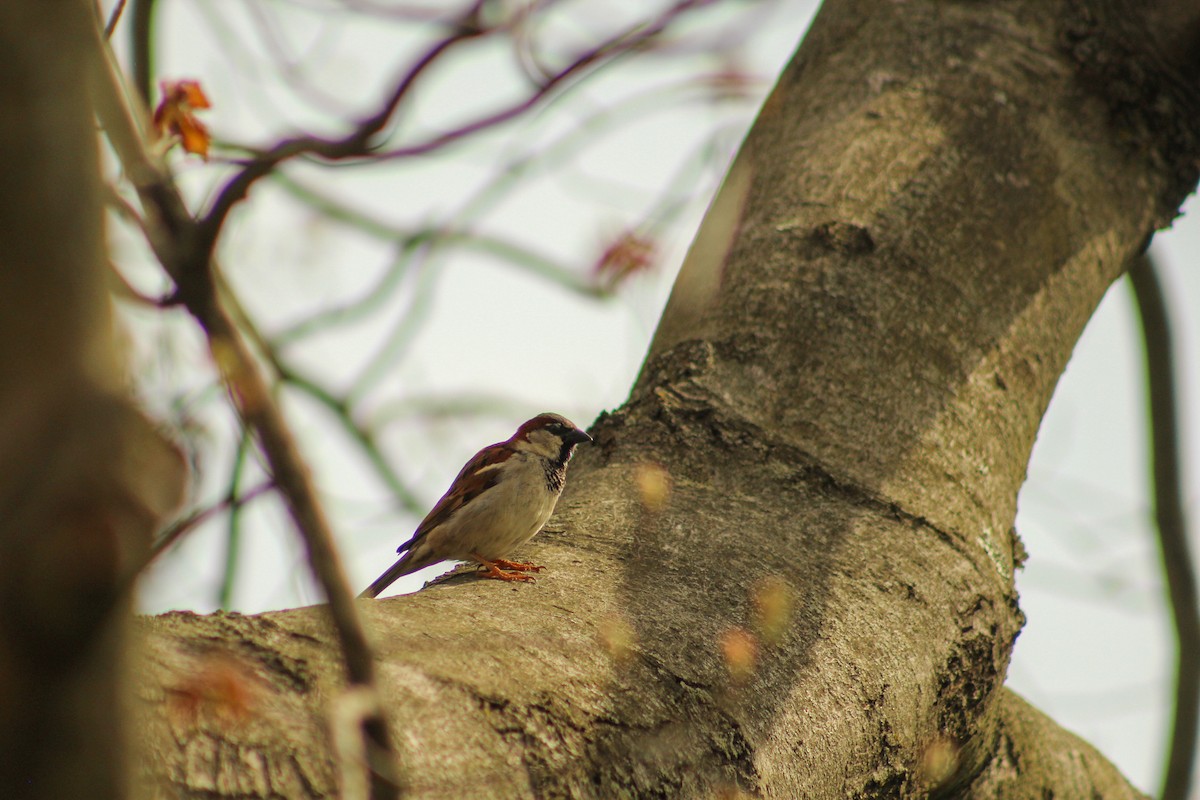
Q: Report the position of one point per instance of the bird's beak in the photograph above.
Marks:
(578, 437)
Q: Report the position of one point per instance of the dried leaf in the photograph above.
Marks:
(175, 115)
(629, 254)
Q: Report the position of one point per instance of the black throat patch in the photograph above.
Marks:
(556, 474)
(556, 469)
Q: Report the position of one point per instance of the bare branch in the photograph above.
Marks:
(342, 408)
(188, 261)
(234, 523)
(1172, 524)
(343, 412)
(408, 240)
(259, 412)
(624, 42)
(173, 533)
(141, 33)
(113, 19)
(357, 142)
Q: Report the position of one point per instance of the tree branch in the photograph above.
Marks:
(252, 398)
(357, 142)
(171, 535)
(838, 405)
(623, 42)
(1167, 485)
(113, 19)
(189, 264)
(141, 47)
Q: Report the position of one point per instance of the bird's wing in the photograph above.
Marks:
(478, 475)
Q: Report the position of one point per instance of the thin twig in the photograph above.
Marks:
(624, 42)
(357, 142)
(233, 525)
(141, 46)
(504, 250)
(1172, 525)
(344, 414)
(341, 408)
(121, 288)
(374, 298)
(167, 539)
(113, 19)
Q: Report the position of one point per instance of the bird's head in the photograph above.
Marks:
(550, 436)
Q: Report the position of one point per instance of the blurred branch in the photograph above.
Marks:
(356, 143)
(252, 397)
(141, 48)
(290, 68)
(187, 257)
(504, 250)
(1172, 525)
(113, 19)
(370, 301)
(552, 155)
(343, 413)
(341, 407)
(401, 12)
(399, 336)
(233, 525)
(121, 288)
(630, 39)
(171, 535)
(442, 406)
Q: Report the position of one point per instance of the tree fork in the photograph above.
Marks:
(839, 404)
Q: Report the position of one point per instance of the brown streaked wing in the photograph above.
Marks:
(476, 477)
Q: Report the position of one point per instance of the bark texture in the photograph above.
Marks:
(84, 479)
(831, 427)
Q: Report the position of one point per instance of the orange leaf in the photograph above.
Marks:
(175, 115)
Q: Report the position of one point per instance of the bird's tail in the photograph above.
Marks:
(409, 561)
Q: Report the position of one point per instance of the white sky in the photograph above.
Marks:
(1095, 654)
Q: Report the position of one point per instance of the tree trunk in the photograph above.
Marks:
(84, 480)
(786, 565)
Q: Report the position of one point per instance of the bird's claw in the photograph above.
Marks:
(496, 573)
(519, 566)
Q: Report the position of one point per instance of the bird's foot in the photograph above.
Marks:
(519, 566)
(492, 567)
(498, 574)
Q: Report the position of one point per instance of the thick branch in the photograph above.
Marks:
(785, 566)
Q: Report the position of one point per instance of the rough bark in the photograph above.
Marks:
(842, 396)
(84, 480)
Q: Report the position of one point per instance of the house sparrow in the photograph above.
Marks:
(500, 499)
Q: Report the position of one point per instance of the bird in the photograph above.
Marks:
(498, 501)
